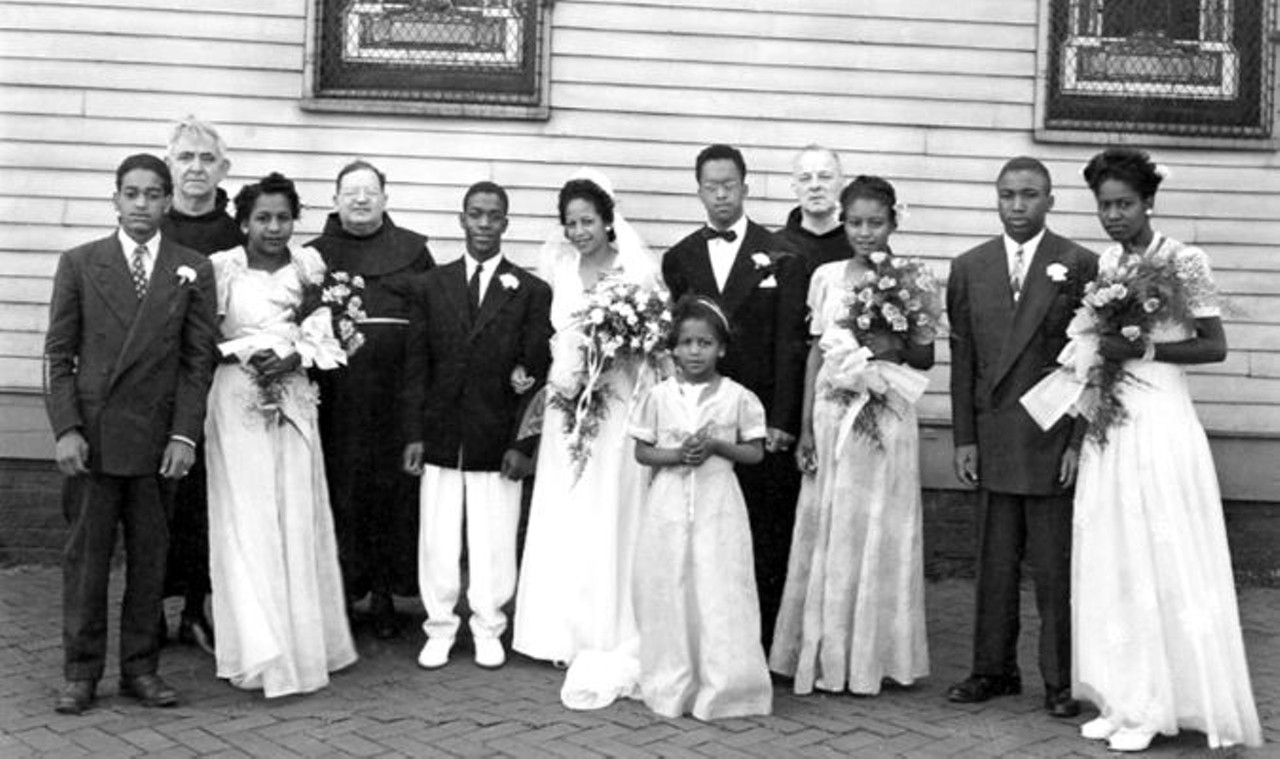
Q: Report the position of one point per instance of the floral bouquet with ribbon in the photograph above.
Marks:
(897, 299)
(321, 330)
(621, 321)
(1129, 301)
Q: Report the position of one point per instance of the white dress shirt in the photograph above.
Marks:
(486, 274)
(723, 252)
(1028, 252)
(129, 245)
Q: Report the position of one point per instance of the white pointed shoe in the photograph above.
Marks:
(489, 653)
(1131, 739)
(435, 654)
(1098, 729)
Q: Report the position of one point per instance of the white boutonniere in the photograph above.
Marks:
(1057, 272)
(509, 281)
(186, 275)
(761, 260)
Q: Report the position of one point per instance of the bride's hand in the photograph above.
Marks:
(521, 380)
(806, 453)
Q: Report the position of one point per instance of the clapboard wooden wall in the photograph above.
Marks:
(932, 95)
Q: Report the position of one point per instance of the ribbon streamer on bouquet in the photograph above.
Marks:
(312, 340)
(848, 365)
(1066, 390)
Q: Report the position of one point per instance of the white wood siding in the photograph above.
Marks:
(934, 96)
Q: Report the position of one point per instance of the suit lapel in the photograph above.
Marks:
(112, 279)
(1038, 292)
(744, 276)
(702, 278)
(494, 298)
(453, 285)
(153, 312)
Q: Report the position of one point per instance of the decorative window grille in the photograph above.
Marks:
(1199, 68)
(468, 57)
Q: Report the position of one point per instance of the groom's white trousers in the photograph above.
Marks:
(491, 504)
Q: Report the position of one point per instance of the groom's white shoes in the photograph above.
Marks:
(489, 653)
(435, 654)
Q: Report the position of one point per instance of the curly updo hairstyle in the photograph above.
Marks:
(274, 183)
(1131, 166)
(870, 188)
(701, 308)
(585, 189)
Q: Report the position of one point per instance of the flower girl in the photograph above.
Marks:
(695, 584)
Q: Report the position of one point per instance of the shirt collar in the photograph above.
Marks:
(128, 244)
(739, 227)
(1028, 248)
(490, 264)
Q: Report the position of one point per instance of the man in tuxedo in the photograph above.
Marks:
(813, 229)
(1009, 302)
(736, 262)
(198, 220)
(479, 340)
(128, 357)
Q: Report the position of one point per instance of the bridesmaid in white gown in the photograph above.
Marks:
(574, 602)
(1157, 643)
(278, 605)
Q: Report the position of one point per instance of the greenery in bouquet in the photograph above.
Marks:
(621, 321)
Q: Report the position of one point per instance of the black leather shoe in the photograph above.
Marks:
(979, 688)
(196, 631)
(150, 690)
(76, 696)
(1059, 703)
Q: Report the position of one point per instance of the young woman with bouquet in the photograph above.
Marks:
(853, 609)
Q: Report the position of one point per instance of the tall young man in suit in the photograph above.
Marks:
(1009, 302)
(129, 356)
(479, 329)
(736, 262)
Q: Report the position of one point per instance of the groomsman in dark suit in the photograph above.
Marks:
(737, 263)
(1009, 302)
(129, 357)
(479, 331)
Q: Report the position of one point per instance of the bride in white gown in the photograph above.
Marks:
(278, 606)
(574, 601)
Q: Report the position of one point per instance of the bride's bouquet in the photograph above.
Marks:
(321, 330)
(621, 321)
(897, 299)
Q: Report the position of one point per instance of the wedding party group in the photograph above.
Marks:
(714, 451)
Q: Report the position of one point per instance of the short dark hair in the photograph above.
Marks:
(485, 187)
(1027, 163)
(148, 162)
(719, 152)
(870, 188)
(692, 306)
(359, 165)
(274, 183)
(585, 189)
(1132, 166)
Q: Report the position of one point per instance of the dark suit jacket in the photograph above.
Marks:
(999, 352)
(457, 396)
(768, 347)
(128, 374)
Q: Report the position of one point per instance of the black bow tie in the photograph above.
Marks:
(728, 235)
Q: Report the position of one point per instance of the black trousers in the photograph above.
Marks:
(1012, 528)
(770, 489)
(94, 505)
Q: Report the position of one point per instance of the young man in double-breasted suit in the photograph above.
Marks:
(479, 337)
(129, 356)
(1009, 302)
(737, 263)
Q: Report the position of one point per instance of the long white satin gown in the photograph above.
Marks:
(278, 607)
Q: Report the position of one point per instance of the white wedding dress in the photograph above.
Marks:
(278, 607)
(1155, 628)
(574, 599)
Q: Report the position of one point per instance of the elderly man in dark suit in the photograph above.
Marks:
(737, 263)
(1009, 301)
(129, 356)
(479, 341)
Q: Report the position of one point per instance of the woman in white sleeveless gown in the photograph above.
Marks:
(278, 606)
(1156, 634)
(574, 601)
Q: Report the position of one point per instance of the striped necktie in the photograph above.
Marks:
(1019, 271)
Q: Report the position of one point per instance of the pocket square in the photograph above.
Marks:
(768, 281)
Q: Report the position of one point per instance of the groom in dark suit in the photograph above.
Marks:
(1009, 302)
(479, 341)
(737, 263)
(128, 357)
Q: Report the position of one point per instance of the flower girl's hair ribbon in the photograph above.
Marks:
(714, 308)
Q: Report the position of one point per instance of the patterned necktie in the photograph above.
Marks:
(139, 271)
(1015, 277)
(473, 289)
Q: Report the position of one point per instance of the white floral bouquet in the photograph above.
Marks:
(620, 321)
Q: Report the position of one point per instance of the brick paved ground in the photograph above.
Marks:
(385, 706)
